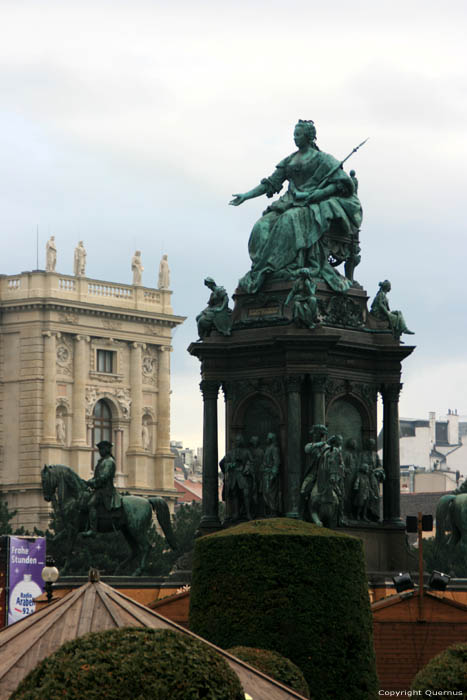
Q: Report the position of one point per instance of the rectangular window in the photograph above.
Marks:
(105, 361)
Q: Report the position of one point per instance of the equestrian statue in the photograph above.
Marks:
(88, 507)
(451, 515)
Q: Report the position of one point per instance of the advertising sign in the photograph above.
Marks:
(26, 561)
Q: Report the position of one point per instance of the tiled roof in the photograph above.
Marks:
(95, 607)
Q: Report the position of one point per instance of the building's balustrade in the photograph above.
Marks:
(109, 290)
(66, 284)
(152, 297)
(14, 284)
(39, 284)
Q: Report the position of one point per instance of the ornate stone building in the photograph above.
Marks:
(82, 360)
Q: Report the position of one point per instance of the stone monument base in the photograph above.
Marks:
(386, 548)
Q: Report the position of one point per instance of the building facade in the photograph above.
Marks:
(433, 453)
(83, 360)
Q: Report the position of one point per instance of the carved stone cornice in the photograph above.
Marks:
(153, 320)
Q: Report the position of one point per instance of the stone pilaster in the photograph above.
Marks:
(49, 392)
(210, 518)
(293, 385)
(80, 367)
(118, 449)
(318, 388)
(391, 462)
(163, 402)
(136, 381)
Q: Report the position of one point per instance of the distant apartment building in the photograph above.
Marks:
(433, 453)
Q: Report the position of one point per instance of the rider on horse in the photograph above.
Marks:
(102, 484)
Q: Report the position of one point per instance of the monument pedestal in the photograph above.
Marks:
(385, 547)
(281, 378)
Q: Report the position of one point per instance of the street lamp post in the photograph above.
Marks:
(49, 576)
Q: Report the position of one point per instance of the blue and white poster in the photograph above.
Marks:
(26, 561)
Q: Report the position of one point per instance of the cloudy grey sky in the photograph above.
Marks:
(129, 125)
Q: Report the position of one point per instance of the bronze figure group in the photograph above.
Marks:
(252, 479)
(340, 486)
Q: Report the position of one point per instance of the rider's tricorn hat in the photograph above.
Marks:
(104, 443)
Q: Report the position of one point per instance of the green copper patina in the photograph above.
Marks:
(217, 314)
(380, 310)
(304, 301)
(132, 514)
(369, 475)
(314, 452)
(102, 483)
(314, 224)
(451, 515)
(271, 477)
(239, 482)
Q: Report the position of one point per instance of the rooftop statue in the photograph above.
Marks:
(164, 273)
(137, 268)
(79, 263)
(314, 224)
(50, 255)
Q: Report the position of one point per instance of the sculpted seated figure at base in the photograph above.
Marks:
(314, 224)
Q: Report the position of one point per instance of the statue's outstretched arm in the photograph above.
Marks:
(255, 192)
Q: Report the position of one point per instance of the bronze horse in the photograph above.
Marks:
(451, 515)
(69, 495)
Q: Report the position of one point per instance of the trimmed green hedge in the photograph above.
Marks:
(132, 664)
(275, 665)
(447, 671)
(294, 588)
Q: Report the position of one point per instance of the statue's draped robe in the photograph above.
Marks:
(289, 234)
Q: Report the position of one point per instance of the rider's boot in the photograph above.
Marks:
(92, 523)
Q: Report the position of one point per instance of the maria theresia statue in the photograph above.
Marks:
(314, 224)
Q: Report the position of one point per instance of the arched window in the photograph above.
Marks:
(102, 424)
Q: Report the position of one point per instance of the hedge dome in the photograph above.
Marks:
(291, 587)
(275, 665)
(132, 664)
(446, 671)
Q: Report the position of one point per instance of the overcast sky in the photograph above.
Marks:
(130, 124)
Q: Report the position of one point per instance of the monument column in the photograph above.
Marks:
(294, 461)
(391, 463)
(210, 518)
(50, 371)
(79, 428)
(228, 391)
(319, 399)
(136, 381)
